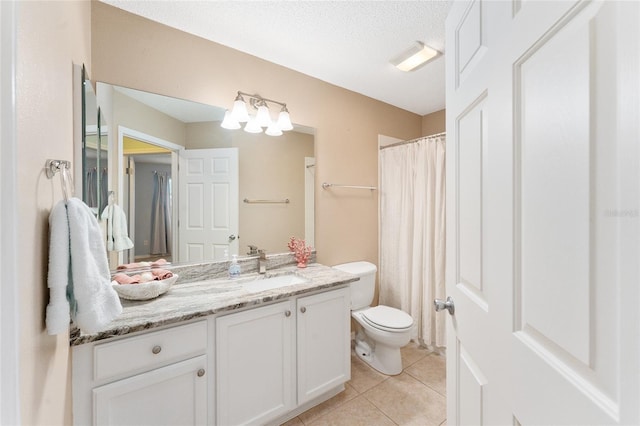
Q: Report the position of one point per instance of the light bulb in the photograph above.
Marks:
(273, 130)
(284, 121)
(229, 122)
(239, 112)
(252, 126)
(262, 117)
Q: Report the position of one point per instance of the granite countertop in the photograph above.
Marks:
(188, 300)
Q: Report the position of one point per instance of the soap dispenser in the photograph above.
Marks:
(234, 268)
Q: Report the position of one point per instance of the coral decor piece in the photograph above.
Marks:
(300, 250)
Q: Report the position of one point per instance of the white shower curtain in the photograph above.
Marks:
(412, 234)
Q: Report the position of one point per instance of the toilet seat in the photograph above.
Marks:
(387, 318)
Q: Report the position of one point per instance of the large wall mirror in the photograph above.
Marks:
(192, 191)
(93, 160)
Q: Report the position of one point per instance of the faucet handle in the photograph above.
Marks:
(252, 250)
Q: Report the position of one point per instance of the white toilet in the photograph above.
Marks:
(386, 329)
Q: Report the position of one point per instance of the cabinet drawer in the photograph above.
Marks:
(148, 351)
(175, 394)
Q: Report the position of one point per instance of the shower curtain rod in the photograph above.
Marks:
(413, 140)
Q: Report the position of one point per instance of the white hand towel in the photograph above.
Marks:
(58, 317)
(97, 302)
(117, 234)
(107, 216)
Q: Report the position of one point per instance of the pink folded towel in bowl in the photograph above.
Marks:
(161, 274)
(159, 262)
(131, 266)
(137, 265)
(121, 278)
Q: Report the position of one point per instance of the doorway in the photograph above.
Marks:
(149, 174)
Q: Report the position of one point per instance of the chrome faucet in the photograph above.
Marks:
(262, 262)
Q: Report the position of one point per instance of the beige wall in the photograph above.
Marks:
(273, 169)
(51, 37)
(208, 134)
(433, 123)
(135, 115)
(134, 52)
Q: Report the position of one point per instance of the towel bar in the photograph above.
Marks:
(326, 185)
(248, 201)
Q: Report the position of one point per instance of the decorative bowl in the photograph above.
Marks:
(144, 291)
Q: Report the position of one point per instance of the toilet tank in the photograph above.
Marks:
(361, 291)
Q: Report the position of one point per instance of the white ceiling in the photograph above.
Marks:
(346, 43)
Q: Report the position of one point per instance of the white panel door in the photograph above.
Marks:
(543, 215)
(208, 223)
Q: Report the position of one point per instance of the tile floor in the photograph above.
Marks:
(414, 397)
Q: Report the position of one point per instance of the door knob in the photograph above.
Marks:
(447, 304)
(232, 237)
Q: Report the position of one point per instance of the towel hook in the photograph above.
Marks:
(54, 166)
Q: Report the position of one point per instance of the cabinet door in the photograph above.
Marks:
(323, 343)
(255, 362)
(171, 395)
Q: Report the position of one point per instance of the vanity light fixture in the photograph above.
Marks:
(262, 119)
(415, 57)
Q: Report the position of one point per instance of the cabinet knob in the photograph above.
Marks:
(287, 313)
(303, 309)
(201, 372)
(156, 349)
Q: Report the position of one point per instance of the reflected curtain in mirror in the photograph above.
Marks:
(161, 214)
(96, 188)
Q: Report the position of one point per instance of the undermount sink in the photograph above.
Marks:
(262, 284)
(251, 283)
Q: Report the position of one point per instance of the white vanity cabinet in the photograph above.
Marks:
(260, 365)
(264, 355)
(323, 343)
(255, 364)
(156, 378)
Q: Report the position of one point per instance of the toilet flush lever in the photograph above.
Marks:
(447, 304)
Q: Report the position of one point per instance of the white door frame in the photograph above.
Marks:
(175, 155)
(130, 207)
(9, 307)
(309, 195)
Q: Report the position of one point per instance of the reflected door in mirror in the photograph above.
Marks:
(208, 204)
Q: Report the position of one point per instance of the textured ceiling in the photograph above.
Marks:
(346, 43)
